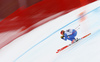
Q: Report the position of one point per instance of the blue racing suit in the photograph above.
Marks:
(70, 37)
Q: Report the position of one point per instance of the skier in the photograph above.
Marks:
(69, 34)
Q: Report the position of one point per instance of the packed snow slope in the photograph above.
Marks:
(41, 44)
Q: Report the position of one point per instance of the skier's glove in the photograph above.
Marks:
(62, 37)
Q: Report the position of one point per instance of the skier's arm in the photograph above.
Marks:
(64, 37)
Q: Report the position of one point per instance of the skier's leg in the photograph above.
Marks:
(72, 37)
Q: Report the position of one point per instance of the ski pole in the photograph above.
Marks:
(77, 26)
(75, 31)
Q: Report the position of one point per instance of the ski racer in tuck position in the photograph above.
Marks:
(70, 35)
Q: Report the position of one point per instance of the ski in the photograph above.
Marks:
(71, 44)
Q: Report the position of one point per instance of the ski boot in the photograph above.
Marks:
(75, 40)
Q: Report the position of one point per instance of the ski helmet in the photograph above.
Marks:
(62, 32)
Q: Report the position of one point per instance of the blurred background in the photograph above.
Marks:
(18, 17)
(8, 7)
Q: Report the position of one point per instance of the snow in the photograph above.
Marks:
(41, 44)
